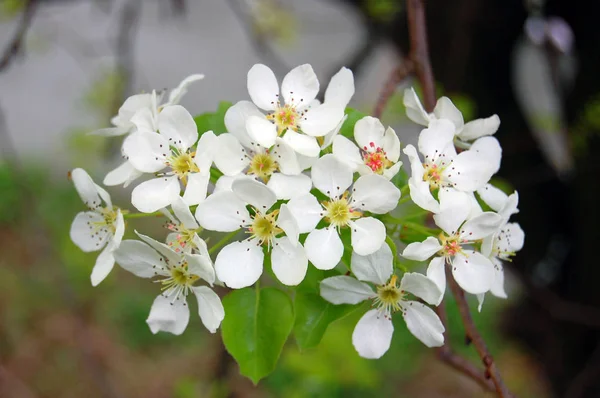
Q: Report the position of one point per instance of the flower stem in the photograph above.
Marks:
(223, 241)
(142, 215)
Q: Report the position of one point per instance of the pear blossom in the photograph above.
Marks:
(102, 227)
(445, 109)
(372, 335)
(178, 273)
(289, 115)
(240, 263)
(171, 147)
(443, 167)
(473, 271)
(185, 229)
(506, 241)
(333, 178)
(378, 151)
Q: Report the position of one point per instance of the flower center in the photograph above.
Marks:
(182, 163)
(433, 175)
(339, 213)
(263, 165)
(389, 296)
(179, 281)
(110, 219)
(264, 227)
(285, 117)
(375, 158)
(184, 237)
(450, 245)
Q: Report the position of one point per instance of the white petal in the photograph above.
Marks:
(300, 86)
(423, 323)
(155, 194)
(210, 308)
(320, 120)
(473, 272)
(345, 289)
(223, 212)
(288, 187)
(254, 193)
(146, 151)
(86, 188)
(414, 109)
(289, 261)
(368, 133)
(261, 131)
(375, 193)
(492, 196)
(469, 172)
(167, 315)
(480, 226)
(263, 87)
(119, 230)
(202, 266)
(287, 222)
(206, 150)
(104, 264)
(168, 253)
(392, 171)
(480, 300)
(490, 150)
(445, 109)
(195, 190)
(376, 267)
(421, 286)
(479, 128)
(123, 174)
(139, 259)
(455, 207)
(145, 119)
(420, 192)
(421, 251)
(368, 234)
(347, 152)
(183, 213)
(436, 271)
(372, 335)
(511, 206)
(239, 264)
(328, 138)
(341, 88)
(105, 196)
(133, 104)
(178, 92)
(86, 235)
(287, 159)
(302, 143)
(515, 236)
(307, 211)
(437, 140)
(235, 120)
(331, 176)
(324, 248)
(177, 125)
(497, 288)
(391, 145)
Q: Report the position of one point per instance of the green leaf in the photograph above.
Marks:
(213, 121)
(257, 324)
(354, 116)
(313, 316)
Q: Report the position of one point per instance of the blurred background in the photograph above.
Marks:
(67, 65)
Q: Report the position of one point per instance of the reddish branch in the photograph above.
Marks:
(15, 45)
(417, 62)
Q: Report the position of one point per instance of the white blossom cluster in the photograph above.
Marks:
(287, 188)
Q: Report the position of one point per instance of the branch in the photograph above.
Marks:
(15, 46)
(395, 78)
(474, 337)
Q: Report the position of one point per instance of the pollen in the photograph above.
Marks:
(285, 117)
(263, 165)
(178, 282)
(182, 164)
(375, 158)
(451, 246)
(339, 213)
(264, 227)
(389, 297)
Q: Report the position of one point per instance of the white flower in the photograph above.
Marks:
(445, 109)
(293, 120)
(442, 167)
(372, 193)
(240, 264)
(472, 270)
(373, 333)
(185, 229)
(377, 152)
(150, 152)
(178, 274)
(277, 167)
(506, 241)
(101, 227)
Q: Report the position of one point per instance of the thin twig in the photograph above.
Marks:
(474, 337)
(396, 77)
(15, 46)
